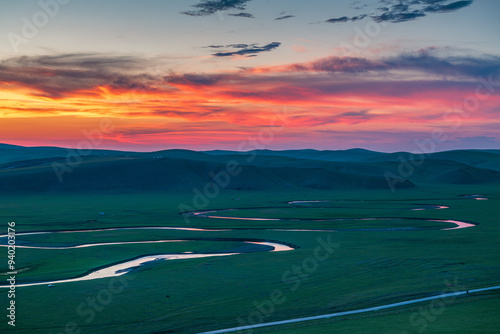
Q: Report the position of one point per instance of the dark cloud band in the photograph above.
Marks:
(247, 50)
(396, 11)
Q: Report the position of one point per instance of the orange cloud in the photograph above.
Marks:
(57, 98)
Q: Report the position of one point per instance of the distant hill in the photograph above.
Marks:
(11, 153)
(10, 146)
(487, 159)
(144, 173)
(482, 159)
(356, 154)
(30, 169)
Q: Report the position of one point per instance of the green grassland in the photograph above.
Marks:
(368, 268)
(461, 316)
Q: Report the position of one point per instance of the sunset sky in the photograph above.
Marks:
(382, 75)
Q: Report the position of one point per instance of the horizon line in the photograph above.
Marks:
(253, 150)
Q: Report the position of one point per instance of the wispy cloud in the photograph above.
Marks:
(58, 75)
(346, 19)
(396, 11)
(246, 49)
(429, 60)
(209, 7)
(284, 17)
(247, 15)
(399, 11)
(444, 7)
(195, 79)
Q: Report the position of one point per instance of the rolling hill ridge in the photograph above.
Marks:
(53, 169)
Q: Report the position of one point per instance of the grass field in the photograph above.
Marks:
(364, 269)
(463, 316)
